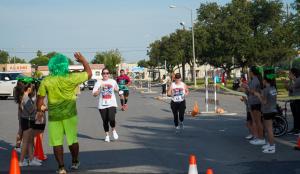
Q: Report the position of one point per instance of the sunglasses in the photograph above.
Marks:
(105, 73)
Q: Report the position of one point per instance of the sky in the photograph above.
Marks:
(90, 26)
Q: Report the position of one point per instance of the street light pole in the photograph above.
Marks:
(193, 42)
(194, 56)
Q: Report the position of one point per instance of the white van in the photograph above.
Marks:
(8, 81)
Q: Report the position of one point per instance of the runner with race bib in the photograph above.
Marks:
(107, 103)
(123, 81)
(178, 91)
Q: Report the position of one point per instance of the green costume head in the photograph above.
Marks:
(58, 65)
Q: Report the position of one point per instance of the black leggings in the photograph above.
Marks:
(108, 115)
(163, 88)
(178, 108)
(295, 107)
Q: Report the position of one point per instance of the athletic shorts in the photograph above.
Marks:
(256, 107)
(26, 124)
(269, 116)
(59, 129)
(125, 93)
(39, 127)
(249, 118)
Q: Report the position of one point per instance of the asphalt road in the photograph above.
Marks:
(148, 143)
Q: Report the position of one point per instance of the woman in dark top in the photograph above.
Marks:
(268, 98)
(293, 86)
(255, 85)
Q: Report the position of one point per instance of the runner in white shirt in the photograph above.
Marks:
(178, 91)
(107, 102)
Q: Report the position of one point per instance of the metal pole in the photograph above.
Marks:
(194, 56)
(206, 90)
(215, 88)
(166, 76)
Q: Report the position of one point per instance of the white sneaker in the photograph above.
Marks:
(265, 146)
(181, 125)
(115, 135)
(257, 141)
(249, 137)
(40, 161)
(270, 149)
(34, 162)
(107, 138)
(24, 163)
(18, 149)
(177, 129)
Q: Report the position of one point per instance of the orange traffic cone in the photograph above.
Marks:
(14, 163)
(209, 171)
(298, 144)
(193, 165)
(38, 149)
(195, 109)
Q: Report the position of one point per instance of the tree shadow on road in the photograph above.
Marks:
(80, 135)
(272, 166)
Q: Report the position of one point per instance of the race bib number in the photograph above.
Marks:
(106, 102)
(107, 92)
(121, 92)
(178, 98)
(178, 95)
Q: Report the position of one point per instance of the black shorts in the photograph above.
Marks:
(27, 124)
(40, 127)
(256, 107)
(249, 118)
(126, 93)
(269, 116)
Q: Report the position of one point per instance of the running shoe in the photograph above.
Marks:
(122, 108)
(18, 149)
(249, 137)
(125, 107)
(75, 166)
(37, 159)
(270, 149)
(115, 135)
(34, 162)
(265, 146)
(181, 125)
(61, 171)
(177, 129)
(107, 138)
(257, 141)
(24, 163)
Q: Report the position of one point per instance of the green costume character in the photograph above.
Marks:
(59, 87)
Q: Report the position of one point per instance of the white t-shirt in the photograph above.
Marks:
(178, 92)
(107, 96)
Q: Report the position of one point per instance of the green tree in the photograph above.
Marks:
(252, 33)
(16, 60)
(143, 63)
(40, 61)
(39, 53)
(50, 54)
(109, 58)
(296, 21)
(4, 56)
(228, 33)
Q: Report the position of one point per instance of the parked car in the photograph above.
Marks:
(91, 83)
(8, 81)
